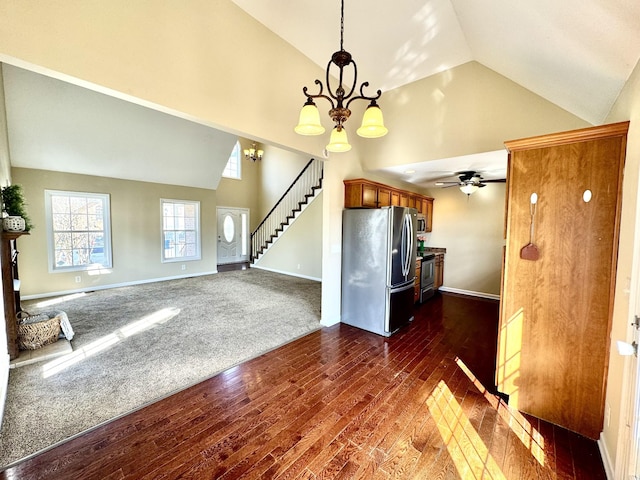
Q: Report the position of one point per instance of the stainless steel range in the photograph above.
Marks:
(427, 277)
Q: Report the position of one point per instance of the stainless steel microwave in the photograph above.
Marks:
(422, 223)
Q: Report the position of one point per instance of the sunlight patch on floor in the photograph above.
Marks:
(57, 300)
(470, 455)
(530, 437)
(103, 343)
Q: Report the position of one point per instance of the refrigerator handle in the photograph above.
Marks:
(407, 228)
(410, 243)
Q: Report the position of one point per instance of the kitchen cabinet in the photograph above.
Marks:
(555, 311)
(362, 193)
(428, 213)
(366, 194)
(384, 197)
(416, 288)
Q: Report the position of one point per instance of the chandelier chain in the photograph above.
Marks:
(342, 25)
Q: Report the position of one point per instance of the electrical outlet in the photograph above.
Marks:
(78, 278)
(184, 267)
(298, 266)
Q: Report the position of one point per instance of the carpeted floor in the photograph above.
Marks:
(134, 345)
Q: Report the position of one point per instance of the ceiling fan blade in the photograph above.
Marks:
(440, 184)
(497, 180)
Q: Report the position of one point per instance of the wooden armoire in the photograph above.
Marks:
(556, 310)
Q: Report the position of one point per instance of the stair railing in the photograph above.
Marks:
(301, 189)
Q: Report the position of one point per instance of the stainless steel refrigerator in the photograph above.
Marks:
(378, 268)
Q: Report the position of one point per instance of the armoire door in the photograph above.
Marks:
(556, 310)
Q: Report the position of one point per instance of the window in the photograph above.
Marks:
(180, 230)
(232, 170)
(78, 229)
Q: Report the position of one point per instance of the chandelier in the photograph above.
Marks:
(253, 153)
(372, 121)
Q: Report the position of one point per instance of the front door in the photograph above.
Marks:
(233, 235)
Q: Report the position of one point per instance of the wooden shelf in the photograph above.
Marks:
(11, 298)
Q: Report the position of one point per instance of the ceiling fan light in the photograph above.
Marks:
(338, 142)
(468, 188)
(309, 121)
(372, 122)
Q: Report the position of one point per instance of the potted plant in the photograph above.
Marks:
(15, 214)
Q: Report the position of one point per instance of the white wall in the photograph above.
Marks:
(298, 250)
(4, 180)
(54, 125)
(278, 169)
(614, 439)
(471, 228)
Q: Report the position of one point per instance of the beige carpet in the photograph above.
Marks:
(134, 345)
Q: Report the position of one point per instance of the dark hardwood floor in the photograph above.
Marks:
(339, 403)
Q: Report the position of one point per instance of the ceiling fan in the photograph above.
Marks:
(469, 181)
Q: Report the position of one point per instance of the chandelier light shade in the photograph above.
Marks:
(338, 142)
(309, 121)
(372, 123)
(253, 153)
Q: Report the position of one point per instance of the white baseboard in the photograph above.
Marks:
(286, 273)
(606, 458)
(490, 296)
(4, 383)
(114, 285)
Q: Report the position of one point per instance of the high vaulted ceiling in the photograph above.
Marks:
(577, 54)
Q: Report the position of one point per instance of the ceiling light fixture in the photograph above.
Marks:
(253, 153)
(372, 121)
(469, 188)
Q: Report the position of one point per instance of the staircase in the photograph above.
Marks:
(299, 193)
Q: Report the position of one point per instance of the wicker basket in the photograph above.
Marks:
(34, 333)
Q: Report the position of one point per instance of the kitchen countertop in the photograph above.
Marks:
(437, 251)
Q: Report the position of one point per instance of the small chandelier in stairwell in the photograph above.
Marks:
(253, 153)
(372, 122)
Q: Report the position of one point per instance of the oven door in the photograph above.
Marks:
(427, 279)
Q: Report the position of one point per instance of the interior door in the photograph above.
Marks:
(233, 235)
(554, 332)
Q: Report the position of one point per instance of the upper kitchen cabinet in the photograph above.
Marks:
(362, 193)
(563, 205)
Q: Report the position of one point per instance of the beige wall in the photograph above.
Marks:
(210, 62)
(298, 251)
(627, 107)
(468, 109)
(5, 164)
(472, 230)
(279, 168)
(242, 193)
(5, 177)
(135, 232)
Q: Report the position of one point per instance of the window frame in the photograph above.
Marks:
(198, 242)
(236, 155)
(105, 198)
